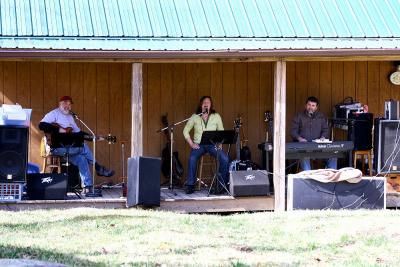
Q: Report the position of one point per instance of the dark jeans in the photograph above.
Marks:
(195, 155)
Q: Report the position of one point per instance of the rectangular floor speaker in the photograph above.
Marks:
(369, 193)
(46, 186)
(143, 181)
(249, 183)
(386, 146)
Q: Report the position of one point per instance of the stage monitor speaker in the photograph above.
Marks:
(13, 153)
(386, 152)
(360, 130)
(46, 186)
(369, 193)
(143, 181)
(249, 183)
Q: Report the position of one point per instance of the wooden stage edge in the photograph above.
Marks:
(181, 203)
(176, 201)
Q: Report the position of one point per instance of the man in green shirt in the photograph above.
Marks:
(205, 119)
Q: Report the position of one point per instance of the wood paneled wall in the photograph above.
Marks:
(246, 89)
(237, 89)
(101, 95)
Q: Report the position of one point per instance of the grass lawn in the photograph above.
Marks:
(94, 237)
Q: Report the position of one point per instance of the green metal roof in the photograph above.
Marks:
(199, 24)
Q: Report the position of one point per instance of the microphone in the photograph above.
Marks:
(73, 114)
(206, 111)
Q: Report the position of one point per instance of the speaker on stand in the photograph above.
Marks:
(386, 151)
(13, 153)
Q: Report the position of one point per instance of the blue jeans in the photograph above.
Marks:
(195, 155)
(81, 157)
(330, 164)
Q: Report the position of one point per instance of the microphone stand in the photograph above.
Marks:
(93, 193)
(171, 132)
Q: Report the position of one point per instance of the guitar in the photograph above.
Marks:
(111, 139)
(268, 119)
(177, 168)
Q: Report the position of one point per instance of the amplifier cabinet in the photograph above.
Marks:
(386, 152)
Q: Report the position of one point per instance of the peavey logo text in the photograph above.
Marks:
(250, 177)
(47, 180)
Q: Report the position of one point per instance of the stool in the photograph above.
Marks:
(363, 153)
(50, 163)
(209, 161)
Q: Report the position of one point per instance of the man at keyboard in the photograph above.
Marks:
(308, 125)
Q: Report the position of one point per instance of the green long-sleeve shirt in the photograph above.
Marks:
(195, 122)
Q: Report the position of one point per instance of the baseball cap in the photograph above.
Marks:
(66, 98)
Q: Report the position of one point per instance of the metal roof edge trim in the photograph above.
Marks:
(111, 54)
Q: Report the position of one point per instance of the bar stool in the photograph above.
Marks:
(362, 154)
(205, 160)
(50, 162)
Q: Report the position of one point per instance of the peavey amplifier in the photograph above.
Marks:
(369, 193)
(47, 185)
(249, 183)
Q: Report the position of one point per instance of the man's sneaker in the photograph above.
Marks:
(103, 171)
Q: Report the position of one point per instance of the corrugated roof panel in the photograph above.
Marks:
(83, 18)
(142, 18)
(99, 22)
(24, 20)
(337, 19)
(350, 20)
(127, 18)
(241, 18)
(213, 19)
(54, 18)
(269, 19)
(171, 19)
(39, 21)
(254, 17)
(308, 16)
(226, 17)
(199, 18)
(156, 18)
(70, 26)
(379, 21)
(296, 19)
(361, 15)
(391, 16)
(8, 18)
(323, 19)
(113, 18)
(185, 18)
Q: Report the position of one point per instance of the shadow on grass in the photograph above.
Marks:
(14, 252)
(70, 221)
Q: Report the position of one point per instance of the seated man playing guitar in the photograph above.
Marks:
(61, 120)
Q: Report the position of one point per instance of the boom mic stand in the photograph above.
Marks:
(171, 132)
(98, 192)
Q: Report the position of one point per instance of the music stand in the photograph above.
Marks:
(218, 138)
(67, 141)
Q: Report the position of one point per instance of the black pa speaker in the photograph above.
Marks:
(369, 193)
(13, 153)
(249, 183)
(143, 181)
(360, 130)
(387, 146)
(47, 185)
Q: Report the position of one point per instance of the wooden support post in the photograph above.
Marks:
(137, 110)
(279, 134)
